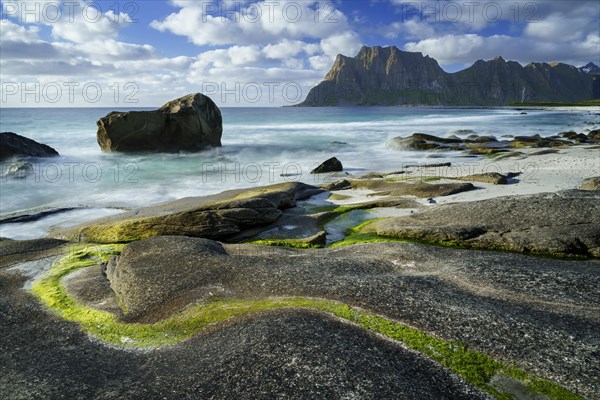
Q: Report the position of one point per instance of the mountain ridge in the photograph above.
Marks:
(388, 76)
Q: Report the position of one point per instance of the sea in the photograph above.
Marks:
(260, 146)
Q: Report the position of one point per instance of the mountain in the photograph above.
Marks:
(591, 68)
(388, 76)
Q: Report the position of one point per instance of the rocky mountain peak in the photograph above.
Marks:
(591, 68)
(390, 76)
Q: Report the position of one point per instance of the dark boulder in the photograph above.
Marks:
(13, 145)
(190, 123)
(331, 165)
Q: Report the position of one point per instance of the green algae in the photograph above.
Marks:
(474, 367)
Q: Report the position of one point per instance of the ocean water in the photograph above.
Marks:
(259, 145)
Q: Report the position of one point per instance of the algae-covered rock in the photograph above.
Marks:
(564, 224)
(422, 141)
(419, 189)
(228, 215)
(457, 293)
(493, 178)
(190, 123)
(594, 135)
(591, 184)
(537, 141)
(344, 184)
(168, 266)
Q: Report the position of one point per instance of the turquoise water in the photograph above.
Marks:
(258, 146)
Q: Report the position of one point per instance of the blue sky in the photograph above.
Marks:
(259, 53)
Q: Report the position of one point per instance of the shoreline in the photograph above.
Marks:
(546, 173)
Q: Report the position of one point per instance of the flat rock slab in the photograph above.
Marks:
(215, 217)
(543, 316)
(284, 354)
(419, 189)
(19, 251)
(558, 224)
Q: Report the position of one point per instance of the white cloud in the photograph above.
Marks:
(110, 49)
(557, 27)
(411, 29)
(82, 30)
(254, 23)
(347, 43)
(320, 63)
(449, 49)
(455, 17)
(284, 49)
(244, 55)
(464, 49)
(18, 33)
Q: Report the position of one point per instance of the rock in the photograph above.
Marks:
(562, 224)
(537, 141)
(463, 132)
(493, 178)
(594, 135)
(477, 149)
(574, 136)
(344, 184)
(445, 291)
(192, 262)
(331, 165)
(438, 165)
(33, 215)
(474, 144)
(421, 189)
(591, 184)
(484, 139)
(544, 152)
(227, 215)
(510, 154)
(371, 175)
(13, 145)
(19, 251)
(19, 169)
(422, 141)
(190, 123)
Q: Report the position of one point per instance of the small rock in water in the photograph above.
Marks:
(331, 165)
(19, 169)
(437, 165)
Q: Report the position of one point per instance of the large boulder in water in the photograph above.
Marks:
(190, 123)
(13, 145)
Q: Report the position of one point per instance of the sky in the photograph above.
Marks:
(127, 54)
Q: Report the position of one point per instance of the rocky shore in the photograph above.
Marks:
(431, 281)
